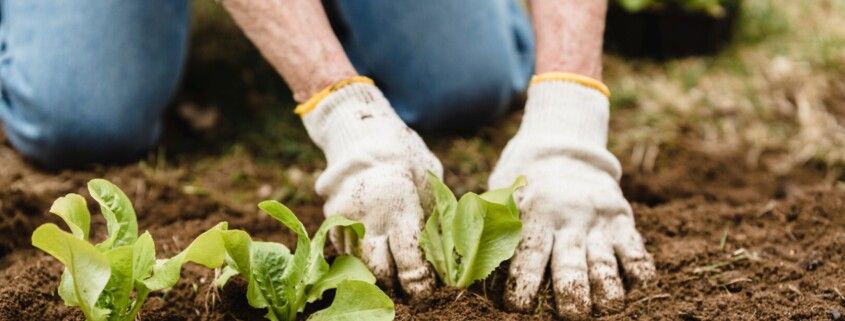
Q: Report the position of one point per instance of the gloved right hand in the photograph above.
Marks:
(576, 220)
(376, 174)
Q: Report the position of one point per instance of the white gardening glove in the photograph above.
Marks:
(376, 174)
(572, 208)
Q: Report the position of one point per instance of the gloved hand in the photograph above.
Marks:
(572, 208)
(376, 174)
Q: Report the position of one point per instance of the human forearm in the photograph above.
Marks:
(296, 38)
(569, 35)
(375, 165)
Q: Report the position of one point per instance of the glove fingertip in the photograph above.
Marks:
(415, 274)
(418, 283)
(574, 303)
(375, 253)
(519, 295)
(639, 270)
(527, 266)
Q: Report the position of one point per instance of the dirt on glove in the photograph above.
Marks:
(730, 243)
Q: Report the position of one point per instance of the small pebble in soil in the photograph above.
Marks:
(811, 265)
(792, 214)
(835, 315)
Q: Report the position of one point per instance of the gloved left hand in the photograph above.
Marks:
(572, 208)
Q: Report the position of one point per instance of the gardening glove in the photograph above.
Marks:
(376, 174)
(572, 208)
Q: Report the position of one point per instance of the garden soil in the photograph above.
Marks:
(730, 243)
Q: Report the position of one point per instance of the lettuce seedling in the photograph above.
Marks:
(466, 240)
(284, 283)
(111, 280)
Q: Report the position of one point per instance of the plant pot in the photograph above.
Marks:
(668, 32)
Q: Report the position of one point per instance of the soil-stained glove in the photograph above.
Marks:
(376, 174)
(572, 207)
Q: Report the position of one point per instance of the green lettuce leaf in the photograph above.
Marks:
(265, 266)
(111, 280)
(282, 282)
(85, 265)
(269, 264)
(143, 257)
(466, 240)
(357, 301)
(67, 290)
(504, 196)
(74, 211)
(299, 265)
(498, 240)
(225, 275)
(436, 239)
(207, 250)
(317, 265)
(237, 244)
(343, 268)
(117, 293)
(467, 230)
(121, 221)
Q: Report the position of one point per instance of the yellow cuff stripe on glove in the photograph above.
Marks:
(570, 77)
(312, 102)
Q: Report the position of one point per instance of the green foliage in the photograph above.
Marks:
(284, 282)
(356, 301)
(712, 7)
(466, 240)
(101, 279)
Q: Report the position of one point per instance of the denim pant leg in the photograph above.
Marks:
(443, 64)
(87, 80)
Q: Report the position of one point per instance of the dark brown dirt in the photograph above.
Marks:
(783, 255)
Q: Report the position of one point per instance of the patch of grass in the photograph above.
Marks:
(760, 20)
(771, 92)
(719, 266)
(724, 240)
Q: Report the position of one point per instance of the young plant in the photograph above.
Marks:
(101, 279)
(466, 240)
(284, 283)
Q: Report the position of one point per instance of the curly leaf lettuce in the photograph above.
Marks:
(111, 280)
(82, 262)
(466, 239)
(283, 282)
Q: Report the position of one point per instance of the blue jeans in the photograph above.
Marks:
(87, 80)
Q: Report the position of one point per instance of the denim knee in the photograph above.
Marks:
(87, 81)
(118, 130)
